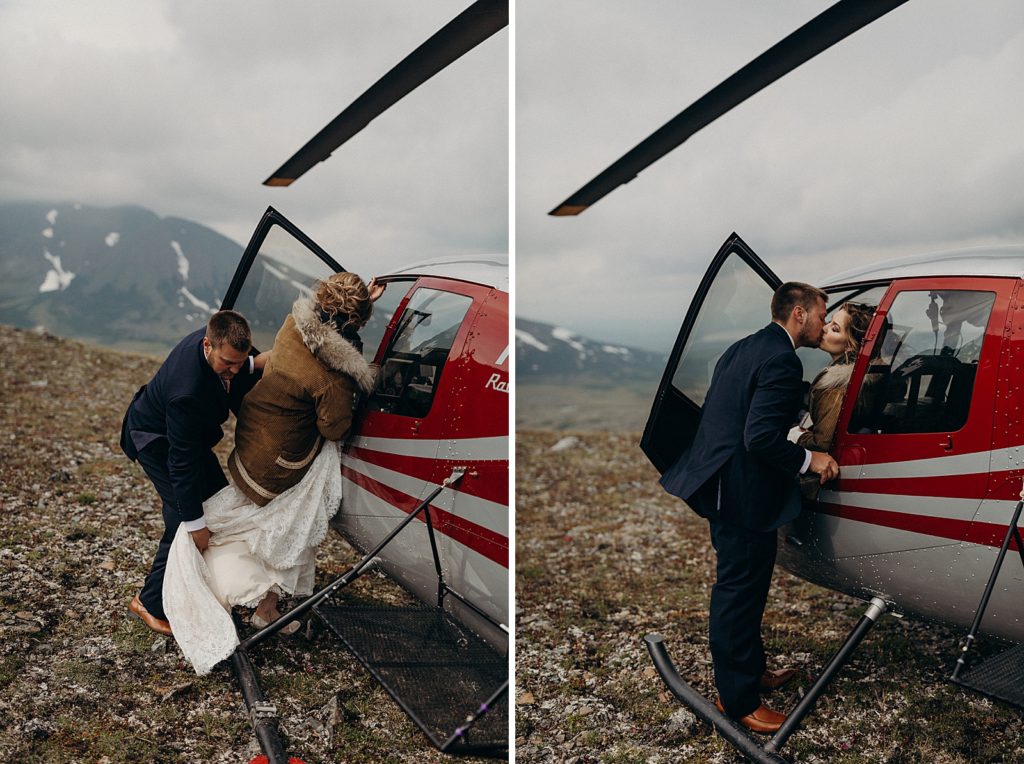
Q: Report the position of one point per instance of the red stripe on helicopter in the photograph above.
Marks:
(486, 542)
(1005, 486)
(947, 486)
(494, 488)
(985, 534)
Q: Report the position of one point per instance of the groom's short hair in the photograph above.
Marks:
(794, 293)
(231, 327)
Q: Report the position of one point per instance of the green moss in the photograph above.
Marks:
(10, 669)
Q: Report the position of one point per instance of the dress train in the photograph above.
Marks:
(252, 550)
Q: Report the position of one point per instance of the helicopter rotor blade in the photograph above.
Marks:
(463, 33)
(820, 33)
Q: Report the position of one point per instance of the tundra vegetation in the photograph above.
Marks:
(604, 556)
(80, 681)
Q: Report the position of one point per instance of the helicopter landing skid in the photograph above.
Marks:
(733, 731)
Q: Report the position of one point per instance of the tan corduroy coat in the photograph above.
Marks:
(307, 394)
(827, 392)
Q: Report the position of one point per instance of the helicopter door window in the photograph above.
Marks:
(735, 306)
(412, 366)
(383, 311)
(922, 369)
(284, 270)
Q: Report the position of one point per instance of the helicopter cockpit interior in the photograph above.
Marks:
(412, 366)
(921, 372)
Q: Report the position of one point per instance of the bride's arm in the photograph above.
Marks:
(260, 361)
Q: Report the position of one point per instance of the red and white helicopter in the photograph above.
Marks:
(425, 466)
(930, 440)
(440, 337)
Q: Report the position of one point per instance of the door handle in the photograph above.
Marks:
(947, 444)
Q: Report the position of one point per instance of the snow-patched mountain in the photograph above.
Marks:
(547, 351)
(119, 276)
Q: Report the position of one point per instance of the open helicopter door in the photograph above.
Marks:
(279, 265)
(732, 301)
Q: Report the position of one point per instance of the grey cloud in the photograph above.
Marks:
(903, 138)
(186, 107)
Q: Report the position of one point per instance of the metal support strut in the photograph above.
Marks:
(733, 731)
(262, 712)
(354, 572)
(875, 610)
(1012, 533)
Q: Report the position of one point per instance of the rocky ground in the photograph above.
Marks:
(604, 557)
(80, 681)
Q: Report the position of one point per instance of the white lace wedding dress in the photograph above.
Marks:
(252, 550)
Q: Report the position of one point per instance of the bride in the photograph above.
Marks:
(286, 475)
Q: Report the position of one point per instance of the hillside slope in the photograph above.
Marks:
(119, 276)
(80, 681)
(605, 557)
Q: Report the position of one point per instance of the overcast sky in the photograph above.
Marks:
(185, 107)
(906, 138)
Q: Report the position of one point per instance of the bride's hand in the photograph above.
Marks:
(376, 290)
(201, 538)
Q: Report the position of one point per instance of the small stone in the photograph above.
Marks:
(107, 565)
(176, 690)
(682, 721)
(565, 444)
(526, 699)
(24, 615)
(159, 647)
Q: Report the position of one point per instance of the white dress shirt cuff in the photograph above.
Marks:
(807, 461)
(200, 522)
(252, 364)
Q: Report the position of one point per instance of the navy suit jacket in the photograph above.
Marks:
(755, 395)
(183, 407)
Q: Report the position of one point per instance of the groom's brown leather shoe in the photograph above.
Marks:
(762, 719)
(160, 626)
(772, 680)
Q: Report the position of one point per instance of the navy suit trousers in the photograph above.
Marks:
(153, 459)
(745, 562)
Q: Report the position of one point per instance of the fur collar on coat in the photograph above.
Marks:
(324, 342)
(834, 375)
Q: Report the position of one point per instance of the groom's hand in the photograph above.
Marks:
(824, 465)
(201, 538)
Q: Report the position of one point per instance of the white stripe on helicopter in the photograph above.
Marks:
(959, 464)
(476, 574)
(461, 449)
(488, 514)
(950, 509)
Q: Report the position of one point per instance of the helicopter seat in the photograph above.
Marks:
(926, 393)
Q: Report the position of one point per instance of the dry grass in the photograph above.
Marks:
(605, 557)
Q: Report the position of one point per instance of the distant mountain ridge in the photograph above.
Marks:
(548, 352)
(118, 276)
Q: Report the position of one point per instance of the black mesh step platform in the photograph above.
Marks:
(1001, 676)
(436, 670)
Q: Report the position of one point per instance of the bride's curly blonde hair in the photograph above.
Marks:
(346, 299)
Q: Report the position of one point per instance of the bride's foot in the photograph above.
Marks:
(263, 620)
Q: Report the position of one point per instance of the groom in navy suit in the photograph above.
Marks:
(740, 473)
(171, 427)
